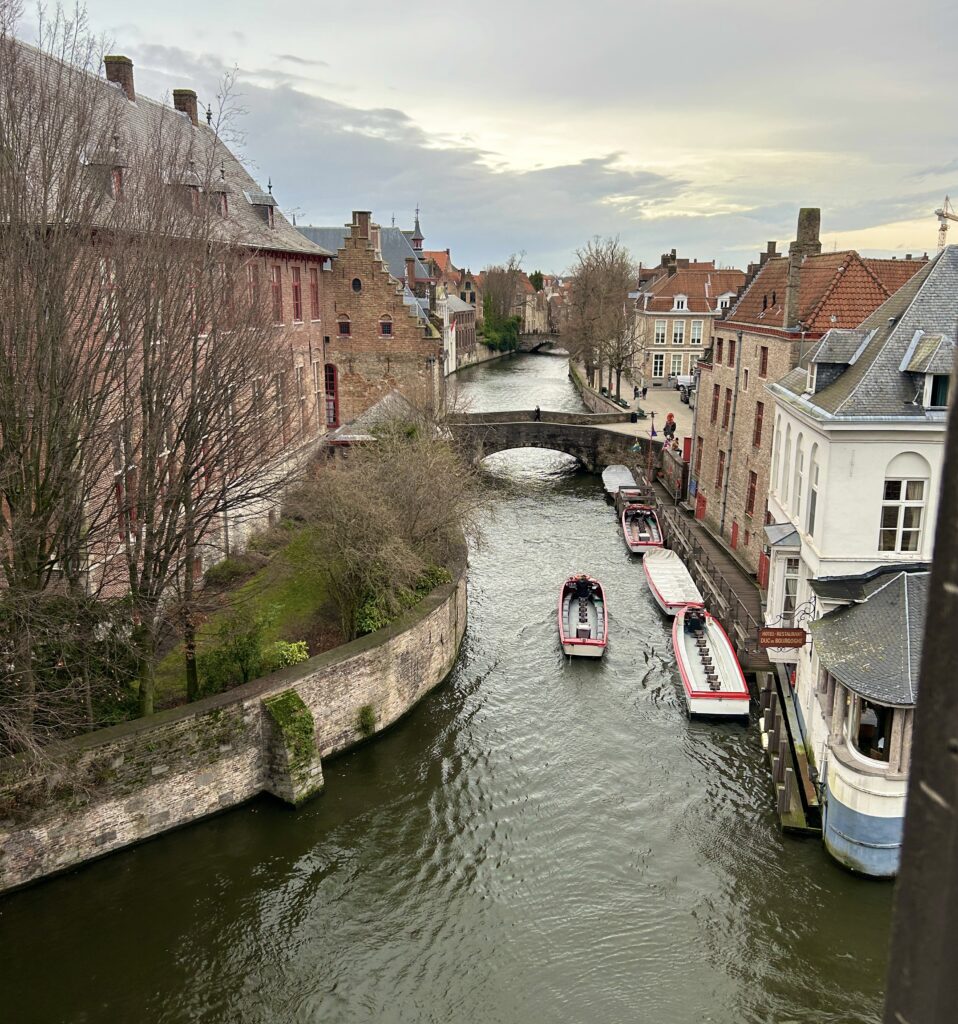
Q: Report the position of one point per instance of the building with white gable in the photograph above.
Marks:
(856, 469)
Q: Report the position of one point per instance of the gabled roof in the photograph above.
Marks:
(840, 347)
(702, 288)
(442, 260)
(879, 381)
(874, 647)
(836, 290)
(141, 122)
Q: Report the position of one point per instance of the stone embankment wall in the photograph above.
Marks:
(121, 785)
(593, 400)
(480, 354)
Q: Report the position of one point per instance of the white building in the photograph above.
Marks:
(856, 471)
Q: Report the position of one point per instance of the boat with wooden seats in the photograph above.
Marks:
(638, 495)
(669, 581)
(641, 529)
(614, 477)
(711, 675)
(583, 617)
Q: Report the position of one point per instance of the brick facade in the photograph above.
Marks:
(376, 342)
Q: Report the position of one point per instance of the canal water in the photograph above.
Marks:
(538, 841)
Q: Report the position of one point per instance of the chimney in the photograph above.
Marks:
(809, 223)
(376, 239)
(184, 100)
(764, 257)
(120, 70)
(411, 272)
(360, 226)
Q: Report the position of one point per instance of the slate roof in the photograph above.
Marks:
(142, 122)
(840, 347)
(836, 290)
(702, 286)
(456, 305)
(783, 534)
(394, 245)
(875, 383)
(874, 648)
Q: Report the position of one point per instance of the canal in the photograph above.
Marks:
(538, 841)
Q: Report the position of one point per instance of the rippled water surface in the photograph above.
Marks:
(538, 841)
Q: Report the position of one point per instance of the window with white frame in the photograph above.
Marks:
(678, 332)
(790, 591)
(812, 491)
(695, 338)
(679, 302)
(676, 369)
(799, 477)
(658, 364)
(659, 332)
(903, 504)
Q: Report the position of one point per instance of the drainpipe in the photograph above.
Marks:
(731, 432)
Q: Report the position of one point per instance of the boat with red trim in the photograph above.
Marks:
(669, 581)
(641, 529)
(583, 617)
(712, 678)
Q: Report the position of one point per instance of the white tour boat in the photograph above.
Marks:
(583, 617)
(669, 581)
(641, 529)
(614, 477)
(711, 675)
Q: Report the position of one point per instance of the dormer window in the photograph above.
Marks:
(936, 390)
(812, 378)
(263, 204)
(679, 302)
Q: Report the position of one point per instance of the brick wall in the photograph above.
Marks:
(644, 361)
(742, 456)
(369, 363)
(119, 786)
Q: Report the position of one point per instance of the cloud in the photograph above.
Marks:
(291, 58)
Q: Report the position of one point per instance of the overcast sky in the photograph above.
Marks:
(702, 125)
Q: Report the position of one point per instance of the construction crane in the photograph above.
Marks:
(944, 214)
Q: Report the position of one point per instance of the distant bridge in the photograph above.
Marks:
(538, 342)
(584, 436)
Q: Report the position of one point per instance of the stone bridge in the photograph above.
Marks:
(587, 437)
(537, 342)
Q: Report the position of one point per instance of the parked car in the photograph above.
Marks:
(681, 381)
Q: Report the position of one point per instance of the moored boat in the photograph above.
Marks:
(669, 581)
(641, 529)
(614, 477)
(583, 617)
(711, 675)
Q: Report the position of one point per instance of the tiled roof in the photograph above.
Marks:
(874, 647)
(836, 289)
(702, 288)
(879, 383)
(442, 260)
(525, 285)
(394, 245)
(142, 122)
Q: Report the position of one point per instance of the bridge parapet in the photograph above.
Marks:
(529, 416)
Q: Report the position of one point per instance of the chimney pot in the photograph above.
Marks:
(119, 69)
(184, 100)
(411, 271)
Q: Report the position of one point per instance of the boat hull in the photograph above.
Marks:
(671, 595)
(641, 529)
(579, 650)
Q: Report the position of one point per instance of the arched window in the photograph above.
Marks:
(812, 491)
(331, 382)
(904, 494)
(799, 477)
(386, 325)
(787, 463)
(345, 327)
(357, 285)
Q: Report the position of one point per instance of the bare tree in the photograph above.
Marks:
(385, 519)
(601, 323)
(57, 367)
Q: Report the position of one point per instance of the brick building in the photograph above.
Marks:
(675, 308)
(379, 337)
(789, 304)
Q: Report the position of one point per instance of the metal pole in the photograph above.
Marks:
(922, 983)
(731, 432)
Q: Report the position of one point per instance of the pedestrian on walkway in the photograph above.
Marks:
(538, 414)
(669, 428)
(645, 391)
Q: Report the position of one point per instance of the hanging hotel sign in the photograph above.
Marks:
(770, 636)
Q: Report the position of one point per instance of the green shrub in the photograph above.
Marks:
(282, 654)
(371, 615)
(366, 722)
(228, 571)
